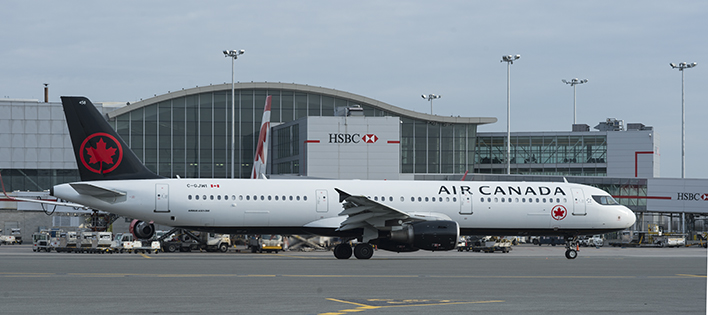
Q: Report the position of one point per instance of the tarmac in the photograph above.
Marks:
(528, 280)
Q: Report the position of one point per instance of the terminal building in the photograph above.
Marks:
(325, 133)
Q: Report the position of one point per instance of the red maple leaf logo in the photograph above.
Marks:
(101, 154)
(559, 212)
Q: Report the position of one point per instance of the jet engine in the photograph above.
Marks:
(426, 235)
(142, 230)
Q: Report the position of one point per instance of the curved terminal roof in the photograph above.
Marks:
(304, 88)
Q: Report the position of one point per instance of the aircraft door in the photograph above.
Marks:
(321, 199)
(578, 202)
(162, 201)
(465, 202)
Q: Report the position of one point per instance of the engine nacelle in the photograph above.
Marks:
(427, 235)
(142, 230)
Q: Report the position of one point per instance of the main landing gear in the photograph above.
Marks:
(361, 251)
(571, 247)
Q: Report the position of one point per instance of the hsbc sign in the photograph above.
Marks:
(352, 138)
(689, 196)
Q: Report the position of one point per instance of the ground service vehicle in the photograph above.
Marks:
(266, 243)
(17, 233)
(184, 241)
(40, 242)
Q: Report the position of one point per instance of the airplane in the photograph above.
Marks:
(399, 216)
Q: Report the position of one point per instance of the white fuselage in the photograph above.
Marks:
(292, 206)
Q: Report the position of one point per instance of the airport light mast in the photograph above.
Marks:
(573, 83)
(681, 67)
(509, 59)
(431, 97)
(234, 55)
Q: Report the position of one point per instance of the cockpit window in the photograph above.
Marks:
(605, 200)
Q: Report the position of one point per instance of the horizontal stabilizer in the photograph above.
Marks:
(96, 191)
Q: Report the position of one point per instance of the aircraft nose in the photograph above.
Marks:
(626, 217)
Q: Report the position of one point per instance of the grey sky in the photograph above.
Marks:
(392, 51)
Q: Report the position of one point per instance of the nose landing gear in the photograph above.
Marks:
(571, 247)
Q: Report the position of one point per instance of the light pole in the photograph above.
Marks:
(234, 55)
(573, 83)
(509, 59)
(431, 97)
(680, 67)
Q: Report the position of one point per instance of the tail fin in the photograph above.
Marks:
(259, 162)
(100, 152)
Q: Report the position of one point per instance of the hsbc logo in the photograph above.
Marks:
(352, 138)
(370, 138)
(692, 196)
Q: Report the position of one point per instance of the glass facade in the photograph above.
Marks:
(37, 179)
(190, 135)
(576, 155)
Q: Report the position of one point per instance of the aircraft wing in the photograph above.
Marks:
(372, 216)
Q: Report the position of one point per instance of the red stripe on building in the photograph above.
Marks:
(643, 197)
(312, 141)
(394, 141)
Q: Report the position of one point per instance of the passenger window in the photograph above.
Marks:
(454, 199)
(297, 197)
(304, 198)
(390, 198)
(426, 199)
(218, 197)
(402, 199)
(481, 199)
(269, 197)
(420, 199)
(189, 197)
(291, 198)
(376, 198)
(204, 197)
(276, 198)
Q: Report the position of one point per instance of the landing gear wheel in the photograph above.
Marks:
(363, 251)
(571, 247)
(343, 251)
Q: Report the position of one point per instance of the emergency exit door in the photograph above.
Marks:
(465, 202)
(322, 202)
(162, 200)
